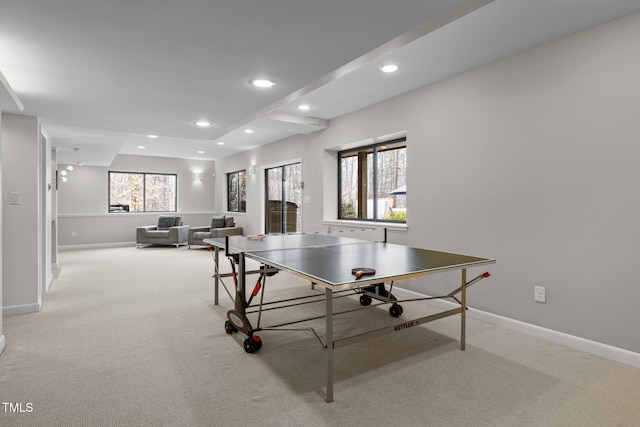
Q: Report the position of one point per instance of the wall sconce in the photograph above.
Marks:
(196, 177)
(62, 176)
(252, 170)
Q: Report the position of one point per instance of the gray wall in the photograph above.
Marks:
(22, 256)
(531, 160)
(2, 339)
(83, 200)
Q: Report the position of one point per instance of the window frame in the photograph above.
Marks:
(374, 149)
(284, 192)
(144, 190)
(239, 191)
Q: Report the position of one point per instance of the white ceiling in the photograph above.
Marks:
(102, 75)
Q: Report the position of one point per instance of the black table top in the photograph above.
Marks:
(329, 260)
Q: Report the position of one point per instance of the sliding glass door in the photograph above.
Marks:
(283, 210)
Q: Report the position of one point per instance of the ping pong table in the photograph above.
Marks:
(331, 261)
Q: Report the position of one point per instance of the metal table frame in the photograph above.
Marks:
(330, 290)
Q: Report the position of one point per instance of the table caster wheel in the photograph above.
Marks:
(252, 344)
(229, 328)
(395, 310)
(365, 299)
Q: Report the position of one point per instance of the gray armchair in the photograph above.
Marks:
(220, 227)
(168, 231)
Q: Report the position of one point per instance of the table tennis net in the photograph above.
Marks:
(330, 237)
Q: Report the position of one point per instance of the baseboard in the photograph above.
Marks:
(2, 343)
(96, 246)
(49, 282)
(14, 310)
(593, 347)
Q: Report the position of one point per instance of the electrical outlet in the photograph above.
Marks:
(540, 294)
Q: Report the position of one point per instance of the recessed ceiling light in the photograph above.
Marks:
(220, 143)
(389, 68)
(262, 83)
(304, 107)
(152, 136)
(200, 152)
(248, 131)
(142, 147)
(203, 124)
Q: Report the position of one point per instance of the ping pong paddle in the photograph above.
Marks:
(362, 271)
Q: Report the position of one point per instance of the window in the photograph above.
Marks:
(237, 191)
(142, 192)
(283, 190)
(372, 182)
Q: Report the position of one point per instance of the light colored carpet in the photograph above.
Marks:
(130, 337)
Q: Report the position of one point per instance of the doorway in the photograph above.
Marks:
(283, 195)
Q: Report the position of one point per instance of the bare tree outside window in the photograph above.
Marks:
(237, 191)
(142, 192)
(349, 175)
(160, 193)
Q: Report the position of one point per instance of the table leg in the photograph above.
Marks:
(216, 279)
(463, 314)
(241, 296)
(329, 322)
